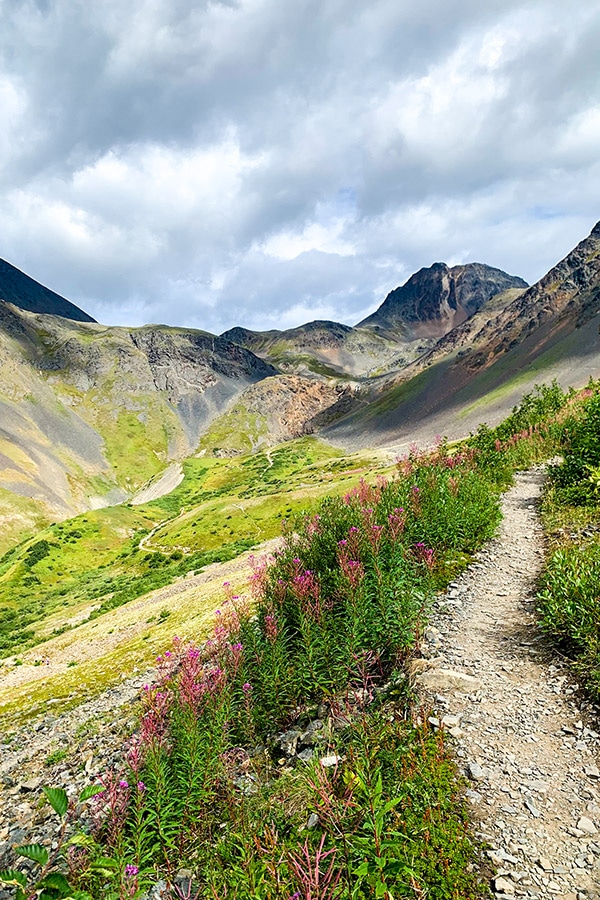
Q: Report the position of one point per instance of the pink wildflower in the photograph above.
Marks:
(397, 522)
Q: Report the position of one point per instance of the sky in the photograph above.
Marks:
(265, 162)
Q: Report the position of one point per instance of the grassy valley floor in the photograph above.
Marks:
(91, 599)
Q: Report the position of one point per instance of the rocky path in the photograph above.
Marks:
(67, 750)
(529, 749)
(526, 740)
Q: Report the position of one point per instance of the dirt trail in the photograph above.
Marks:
(529, 749)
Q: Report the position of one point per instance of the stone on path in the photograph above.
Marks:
(586, 825)
(443, 680)
(536, 749)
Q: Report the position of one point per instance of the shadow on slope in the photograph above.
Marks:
(451, 399)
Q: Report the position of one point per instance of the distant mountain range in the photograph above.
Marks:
(480, 369)
(409, 321)
(89, 413)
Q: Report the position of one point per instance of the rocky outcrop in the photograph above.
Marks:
(180, 359)
(89, 413)
(436, 299)
(326, 349)
(276, 410)
(310, 336)
(568, 294)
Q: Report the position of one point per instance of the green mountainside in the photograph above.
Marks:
(89, 413)
(142, 470)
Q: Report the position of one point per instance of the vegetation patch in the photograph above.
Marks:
(106, 558)
(570, 585)
(209, 798)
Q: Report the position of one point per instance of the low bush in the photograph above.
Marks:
(569, 593)
(578, 477)
(568, 601)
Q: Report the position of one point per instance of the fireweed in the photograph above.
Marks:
(334, 614)
(339, 606)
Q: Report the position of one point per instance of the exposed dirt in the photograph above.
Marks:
(168, 481)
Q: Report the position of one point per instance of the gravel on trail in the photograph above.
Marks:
(526, 738)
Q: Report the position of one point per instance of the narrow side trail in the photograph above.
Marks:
(528, 748)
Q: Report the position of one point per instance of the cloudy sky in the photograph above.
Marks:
(268, 162)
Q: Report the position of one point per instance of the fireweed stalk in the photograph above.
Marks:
(339, 605)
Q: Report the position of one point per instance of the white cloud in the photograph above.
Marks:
(253, 162)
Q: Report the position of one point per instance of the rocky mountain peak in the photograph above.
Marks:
(438, 298)
(566, 297)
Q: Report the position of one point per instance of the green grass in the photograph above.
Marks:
(569, 588)
(237, 431)
(94, 560)
(19, 518)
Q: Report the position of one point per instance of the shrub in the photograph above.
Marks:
(578, 477)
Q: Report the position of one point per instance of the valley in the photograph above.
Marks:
(270, 533)
(172, 553)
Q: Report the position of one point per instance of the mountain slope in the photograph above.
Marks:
(270, 412)
(90, 413)
(436, 299)
(18, 288)
(480, 369)
(407, 324)
(321, 348)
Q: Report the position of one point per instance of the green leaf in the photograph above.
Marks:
(13, 877)
(104, 866)
(59, 882)
(57, 798)
(391, 804)
(33, 851)
(90, 791)
(82, 840)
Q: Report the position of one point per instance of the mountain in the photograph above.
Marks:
(436, 299)
(24, 292)
(407, 324)
(270, 412)
(324, 349)
(480, 369)
(89, 413)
